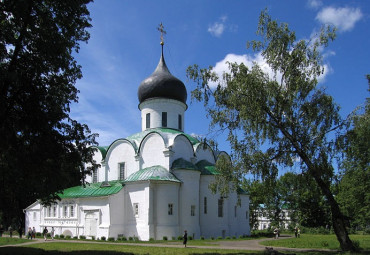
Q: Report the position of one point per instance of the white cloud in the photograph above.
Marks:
(314, 4)
(343, 18)
(216, 29)
(219, 27)
(222, 67)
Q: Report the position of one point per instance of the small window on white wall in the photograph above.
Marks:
(205, 205)
(136, 209)
(192, 210)
(221, 208)
(71, 211)
(121, 174)
(148, 120)
(65, 211)
(34, 216)
(170, 209)
(95, 175)
(54, 211)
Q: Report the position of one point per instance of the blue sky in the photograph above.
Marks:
(124, 49)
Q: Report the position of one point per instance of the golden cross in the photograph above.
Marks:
(160, 28)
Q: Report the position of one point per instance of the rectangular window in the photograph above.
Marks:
(205, 205)
(54, 211)
(192, 210)
(136, 209)
(164, 119)
(34, 216)
(180, 122)
(95, 175)
(49, 211)
(148, 120)
(71, 211)
(121, 171)
(220, 207)
(170, 209)
(65, 211)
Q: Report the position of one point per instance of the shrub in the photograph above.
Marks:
(228, 237)
(56, 236)
(234, 237)
(356, 244)
(92, 237)
(241, 237)
(111, 239)
(219, 237)
(173, 238)
(202, 238)
(124, 238)
(179, 238)
(75, 237)
(151, 239)
(38, 234)
(190, 238)
(82, 237)
(61, 236)
(212, 238)
(103, 238)
(165, 238)
(136, 238)
(68, 237)
(130, 238)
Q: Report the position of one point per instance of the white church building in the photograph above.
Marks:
(152, 184)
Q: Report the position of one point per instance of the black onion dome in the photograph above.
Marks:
(162, 84)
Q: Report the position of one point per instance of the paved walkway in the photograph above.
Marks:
(251, 245)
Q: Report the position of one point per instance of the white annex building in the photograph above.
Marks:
(151, 184)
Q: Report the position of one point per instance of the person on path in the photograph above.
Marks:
(299, 232)
(185, 237)
(33, 233)
(52, 233)
(276, 233)
(10, 231)
(296, 232)
(45, 232)
(29, 233)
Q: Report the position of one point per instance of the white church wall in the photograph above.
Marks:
(116, 203)
(98, 159)
(204, 153)
(182, 148)
(189, 202)
(151, 151)
(33, 217)
(121, 152)
(211, 224)
(156, 106)
(166, 220)
(243, 216)
(95, 216)
(136, 224)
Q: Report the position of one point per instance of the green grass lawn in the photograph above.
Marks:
(110, 249)
(318, 242)
(8, 240)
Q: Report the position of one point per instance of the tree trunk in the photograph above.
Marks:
(339, 223)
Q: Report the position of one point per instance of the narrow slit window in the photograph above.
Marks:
(148, 120)
(121, 171)
(164, 119)
(180, 122)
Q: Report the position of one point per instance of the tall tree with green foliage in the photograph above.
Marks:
(42, 150)
(354, 186)
(291, 117)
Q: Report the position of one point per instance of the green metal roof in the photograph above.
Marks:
(163, 131)
(181, 163)
(92, 190)
(206, 168)
(157, 173)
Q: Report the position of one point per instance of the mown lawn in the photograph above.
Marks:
(53, 248)
(318, 242)
(8, 240)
